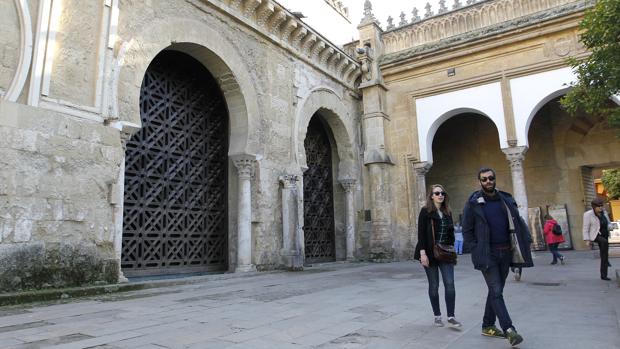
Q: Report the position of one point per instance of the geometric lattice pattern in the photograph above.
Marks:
(175, 205)
(319, 234)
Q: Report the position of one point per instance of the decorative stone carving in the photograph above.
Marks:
(515, 157)
(250, 6)
(442, 7)
(365, 56)
(288, 27)
(273, 23)
(274, 19)
(472, 18)
(264, 11)
(421, 169)
(368, 16)
(403, 20)
(429, 12)
(390, 24)
(415, 15)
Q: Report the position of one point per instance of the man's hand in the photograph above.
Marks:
(588, 243)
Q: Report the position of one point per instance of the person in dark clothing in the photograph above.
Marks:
(490, 218)
(435, 225)
(596, 229)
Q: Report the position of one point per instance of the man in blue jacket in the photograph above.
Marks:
(489, 218)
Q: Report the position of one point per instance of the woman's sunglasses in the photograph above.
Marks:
(438, 193)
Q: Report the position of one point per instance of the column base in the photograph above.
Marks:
(292, 260)
(122, 279)
(245, 268)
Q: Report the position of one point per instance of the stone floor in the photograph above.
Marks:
(340, 305)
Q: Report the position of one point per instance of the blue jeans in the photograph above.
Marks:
(447, 274)
(554, 251)
(495, 277)
(458, 246)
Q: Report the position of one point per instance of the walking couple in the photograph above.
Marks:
(493, 231)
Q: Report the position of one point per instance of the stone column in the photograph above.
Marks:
(349, 186)
(421, 169)
(375, 122)
(245, 169)
(515, 156)
(291, 250)
(117, 193)
(381, 240)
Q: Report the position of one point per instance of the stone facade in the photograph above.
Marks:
(403, 108)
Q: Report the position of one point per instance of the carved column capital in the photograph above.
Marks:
(515, 156)
(422, 168)
(245, 165)
(349, 185)
(289, 181)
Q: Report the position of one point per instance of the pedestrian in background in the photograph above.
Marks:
(458, 238)
(553, 237)
(596, 229)
(435, 226)
(498, 239)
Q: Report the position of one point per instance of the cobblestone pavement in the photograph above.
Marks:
(340, 305)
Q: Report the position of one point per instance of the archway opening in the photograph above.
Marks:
(175, 217)
(461, 146)
(319, 219)
(564, 162)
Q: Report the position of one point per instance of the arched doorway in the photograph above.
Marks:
(175, 217)
(566, 156)
(461, 146)
(319, 230)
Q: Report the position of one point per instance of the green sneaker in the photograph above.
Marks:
(513, 337)
(492, 331)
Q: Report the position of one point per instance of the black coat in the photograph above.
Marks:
(425, 233)
(476, 231)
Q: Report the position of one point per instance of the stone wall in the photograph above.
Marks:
(461, 147)
(56, 225)
(60, 147)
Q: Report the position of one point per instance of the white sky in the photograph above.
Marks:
(384, 8)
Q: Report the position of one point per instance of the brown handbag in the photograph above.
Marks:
(441, 252)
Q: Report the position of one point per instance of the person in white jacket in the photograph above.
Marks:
(596, 229)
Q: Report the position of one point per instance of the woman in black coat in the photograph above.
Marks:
(436, 218)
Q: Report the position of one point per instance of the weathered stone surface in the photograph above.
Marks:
(40, 265)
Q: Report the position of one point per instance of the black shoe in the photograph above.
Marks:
(605, 278)
(609, 264)
(554, 262)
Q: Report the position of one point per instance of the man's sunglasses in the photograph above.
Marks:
(438, 193)
(489, 178)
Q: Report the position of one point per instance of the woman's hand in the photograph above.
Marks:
(424, 260)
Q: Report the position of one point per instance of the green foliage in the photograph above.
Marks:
(611, 181)
(598, 74)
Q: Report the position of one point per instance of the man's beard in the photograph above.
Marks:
(490, 190)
